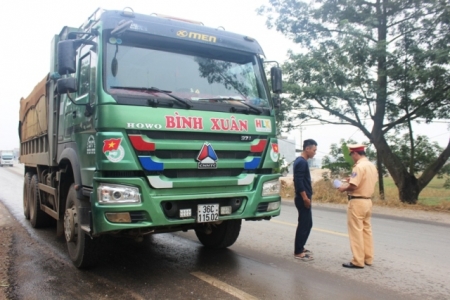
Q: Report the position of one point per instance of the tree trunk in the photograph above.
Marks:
(380, 176)
(406, 183)
(408, 189)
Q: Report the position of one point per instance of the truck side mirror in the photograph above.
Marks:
(276, 101)
(66, 57)
(276, 79)
(66, 85)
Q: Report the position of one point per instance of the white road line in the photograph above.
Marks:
(223, 286)
(316, 229)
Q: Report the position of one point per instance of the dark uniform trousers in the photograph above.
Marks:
(304, 225)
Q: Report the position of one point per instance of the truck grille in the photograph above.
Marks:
(197, 154)
(192, 154)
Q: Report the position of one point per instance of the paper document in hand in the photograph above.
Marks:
(337, 183)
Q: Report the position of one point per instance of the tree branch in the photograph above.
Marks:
(434, 167)
(352, 34)
(339, 31)
(401, 35)
(366, 98)
(349, 101)
(389, 126)
(343, 117)
(368, 3)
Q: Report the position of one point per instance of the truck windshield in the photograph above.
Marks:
(203, 78)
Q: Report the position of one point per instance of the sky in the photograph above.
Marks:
(28, 27)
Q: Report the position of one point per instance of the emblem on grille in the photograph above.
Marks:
(207, 158)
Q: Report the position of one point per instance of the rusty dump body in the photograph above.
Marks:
(33, 113)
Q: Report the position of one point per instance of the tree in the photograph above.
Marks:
(377, 65)
(425, 152)
(339, 160)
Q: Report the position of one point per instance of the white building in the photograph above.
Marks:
(286, 148)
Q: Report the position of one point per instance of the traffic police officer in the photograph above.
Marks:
(360, 190)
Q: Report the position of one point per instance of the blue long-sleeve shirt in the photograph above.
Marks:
(302, 177)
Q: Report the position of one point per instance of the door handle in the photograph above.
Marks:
(74, 114)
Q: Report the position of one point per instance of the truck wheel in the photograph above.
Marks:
(218, 236)
(26, 195)
(38, 218)
(82, 248)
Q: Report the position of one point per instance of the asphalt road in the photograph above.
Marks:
(410, 262)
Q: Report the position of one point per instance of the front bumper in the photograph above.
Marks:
(160, 210)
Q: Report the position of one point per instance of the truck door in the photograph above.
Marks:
(78, 119)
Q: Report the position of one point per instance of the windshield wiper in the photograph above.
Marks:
(154, 89)
(253, 107)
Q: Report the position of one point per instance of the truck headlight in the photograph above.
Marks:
(117, 194)
(271, 188)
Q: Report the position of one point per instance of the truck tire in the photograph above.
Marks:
(38, 218)
(26, 195)
(83, 250)
(221, 235)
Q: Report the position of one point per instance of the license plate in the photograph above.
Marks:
(207, 213)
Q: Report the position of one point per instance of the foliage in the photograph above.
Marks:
(339, 162)
(283, 165)
(445, 171)
(447, 183)
(425, 151)
(375, 65)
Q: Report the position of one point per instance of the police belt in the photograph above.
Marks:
(350, 197)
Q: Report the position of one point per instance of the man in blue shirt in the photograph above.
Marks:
(303, 197)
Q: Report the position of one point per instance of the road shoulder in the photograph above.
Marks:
(423, 215)
(7, 227)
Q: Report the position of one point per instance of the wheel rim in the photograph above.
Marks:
(70, 224)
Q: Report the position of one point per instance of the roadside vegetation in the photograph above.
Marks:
(434, 197)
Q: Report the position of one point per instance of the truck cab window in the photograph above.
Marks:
(197, 77)
(85, 72)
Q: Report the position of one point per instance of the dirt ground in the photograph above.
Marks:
(7, 225)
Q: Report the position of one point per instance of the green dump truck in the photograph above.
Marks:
(148, 124)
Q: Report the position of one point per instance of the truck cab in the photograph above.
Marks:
(6, 159)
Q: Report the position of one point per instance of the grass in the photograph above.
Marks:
(433, 197)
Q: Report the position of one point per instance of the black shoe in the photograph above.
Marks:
(351, 266)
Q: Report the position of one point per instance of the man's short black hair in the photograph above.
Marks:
(309, 142)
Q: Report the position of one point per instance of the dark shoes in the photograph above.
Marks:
(351, 266)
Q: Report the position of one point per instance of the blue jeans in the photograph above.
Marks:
(304, 225)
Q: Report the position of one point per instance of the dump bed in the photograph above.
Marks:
(33, 113)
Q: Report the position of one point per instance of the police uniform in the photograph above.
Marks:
(364, 176)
